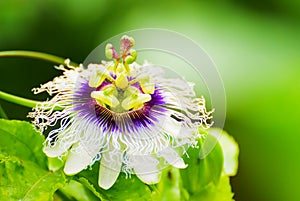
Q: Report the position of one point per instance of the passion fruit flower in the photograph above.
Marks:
(127, 116)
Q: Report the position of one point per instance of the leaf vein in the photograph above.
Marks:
(35, 184)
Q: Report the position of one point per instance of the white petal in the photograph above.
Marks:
(172, 157)
(146, 168)
(78, 159)
(64, 141)
(57, 150)
(171, 126)
(110, 166)
(149, 178)
(175, 128)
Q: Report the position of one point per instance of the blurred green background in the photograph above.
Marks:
(255, 45)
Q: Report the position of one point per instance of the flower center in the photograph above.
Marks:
(116, 88)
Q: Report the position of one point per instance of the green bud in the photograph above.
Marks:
(133, 53)
(129, 59)
(109, 51)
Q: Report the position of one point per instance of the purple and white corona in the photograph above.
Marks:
(130, 117)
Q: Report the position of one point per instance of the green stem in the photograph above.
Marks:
(37, 55)
(2, 113)
(18, 100)
(30, 54)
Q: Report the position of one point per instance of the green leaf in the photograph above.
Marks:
(220, 192)
(205, 165)
(19, 138)
(75, 190)
(124, 188)
(26, 181)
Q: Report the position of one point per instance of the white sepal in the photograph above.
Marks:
(110, 166)
(173, 158)
(146, 168)
(78, 159)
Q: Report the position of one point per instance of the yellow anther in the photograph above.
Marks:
(135, 101)
(110, 90)
(121, 81)
(96, 79)
(103, 98)
(132, 90)
(147, 87)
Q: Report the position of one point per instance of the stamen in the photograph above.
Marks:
(121, 81)
(103, 98)
(97, 78)
(147, 87)
(135, 101)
